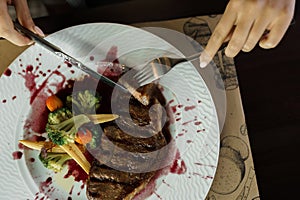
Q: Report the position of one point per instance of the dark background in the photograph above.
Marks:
(270, 89)
(269, 83)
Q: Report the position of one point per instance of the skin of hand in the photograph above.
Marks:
(244, 24)
(7, 30)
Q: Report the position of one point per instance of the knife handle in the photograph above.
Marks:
(36, 38)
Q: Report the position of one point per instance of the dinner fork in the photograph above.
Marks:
(158, 67)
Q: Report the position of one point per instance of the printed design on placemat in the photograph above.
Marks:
(212, 197)
(244, 194)
(245, 191)
(243, 129)
(233, 154)
(228, 71)
(199, 30)
(256, 198)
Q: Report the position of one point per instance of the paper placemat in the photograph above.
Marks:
(235, 177)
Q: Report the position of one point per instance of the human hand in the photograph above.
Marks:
(245, 23)
(7, 30)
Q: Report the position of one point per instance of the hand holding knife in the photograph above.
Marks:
(66, 58)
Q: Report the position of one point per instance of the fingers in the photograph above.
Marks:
(220, 34)
(277, 30)
(257, 31)
(247, 13)
(245, 23)
(7, 30)
(238, 38)
(24, 17)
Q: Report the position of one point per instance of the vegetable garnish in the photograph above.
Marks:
(42, 144)
(73, 151)
(83, 101)
(102, 118)
(62, 126)
(54, 161)
(67, 137)
(64, 131)
(53, 103)
(47, 145)
(84, 136)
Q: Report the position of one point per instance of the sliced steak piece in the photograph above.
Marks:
(104, 173)
(134, 144)
(108, 184)
(114, 190)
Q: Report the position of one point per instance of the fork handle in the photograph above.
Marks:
(193, 57)
(197, 55)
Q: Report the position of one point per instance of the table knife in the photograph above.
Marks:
(66, 57)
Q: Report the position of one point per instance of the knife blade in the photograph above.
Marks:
(66, 57)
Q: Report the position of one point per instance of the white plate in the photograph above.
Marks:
(198, 143)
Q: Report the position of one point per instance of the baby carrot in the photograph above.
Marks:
(53, 103)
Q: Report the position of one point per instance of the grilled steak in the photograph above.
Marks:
(127, 158)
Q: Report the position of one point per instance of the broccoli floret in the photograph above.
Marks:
(59, 115)
(62, 127)
(54, 161)
(84, 101)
